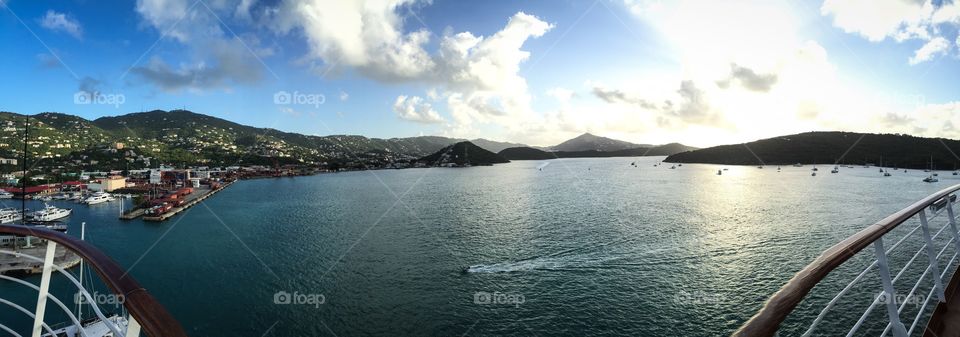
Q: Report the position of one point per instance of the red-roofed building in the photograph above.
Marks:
(30, 190)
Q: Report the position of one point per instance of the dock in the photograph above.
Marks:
(12, 264)
(133, 214)
(194, 198)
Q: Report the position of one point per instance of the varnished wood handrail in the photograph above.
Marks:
(153, 317)
(767, 321)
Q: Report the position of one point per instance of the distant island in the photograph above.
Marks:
(827, 148)
(462, 154)
(529, 153)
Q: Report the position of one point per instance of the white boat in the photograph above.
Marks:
(50, 213)
(930, 179)
(44, 198)
(9, 215)
(5, 194)
(835, 169)
(99, 197)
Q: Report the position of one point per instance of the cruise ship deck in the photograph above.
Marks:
(907, 263)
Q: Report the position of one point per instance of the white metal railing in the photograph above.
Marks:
(43, 295)
(887, 294)
(934, 236)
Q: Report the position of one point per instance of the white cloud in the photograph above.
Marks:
(62, 22)
(415, 109)
(364, 35)
(877, 19)
(900, 20)
(212, 59)
(562, 95)
(933, 48)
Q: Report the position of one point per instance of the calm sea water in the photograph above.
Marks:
(580, 247)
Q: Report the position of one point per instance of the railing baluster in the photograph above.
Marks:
(899, 330)
(932, 256)
(44, 288)
(953, 223)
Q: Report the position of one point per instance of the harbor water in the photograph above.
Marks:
(570, 247)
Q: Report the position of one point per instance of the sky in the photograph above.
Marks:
(701, 73)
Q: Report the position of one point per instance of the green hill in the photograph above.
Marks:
(528, 153)
(461, 154)
(832, 147)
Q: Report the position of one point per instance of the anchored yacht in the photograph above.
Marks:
(50, 213)
(97, 198)
(9, 215)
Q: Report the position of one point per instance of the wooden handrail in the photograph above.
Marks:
(767, 321)
(152, 316)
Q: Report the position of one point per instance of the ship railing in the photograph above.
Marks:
(926, 213)
(145, 313)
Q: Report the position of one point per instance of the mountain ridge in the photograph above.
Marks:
(829, 147)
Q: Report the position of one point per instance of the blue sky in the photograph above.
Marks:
(529, 71)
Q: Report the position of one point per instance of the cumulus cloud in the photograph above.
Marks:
(214, 58)
(611, 95)
(364, 35)
(61, 22)
(933, 48)
(415, 109)
(877, 19)
(900, 20)
(749, 79)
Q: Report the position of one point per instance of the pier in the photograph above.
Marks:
(197, 196)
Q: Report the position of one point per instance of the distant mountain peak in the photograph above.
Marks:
(590, 142)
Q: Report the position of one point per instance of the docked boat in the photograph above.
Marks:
(10, 215)
(99, 197)
(5, 194)
(50, 213)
